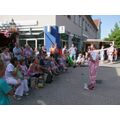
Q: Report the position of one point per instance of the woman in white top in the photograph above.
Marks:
(11, 78)
(5, 56)
(93, 65)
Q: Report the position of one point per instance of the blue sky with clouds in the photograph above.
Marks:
(108, 22)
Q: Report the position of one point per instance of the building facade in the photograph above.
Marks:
(78, 28)
(98, 24)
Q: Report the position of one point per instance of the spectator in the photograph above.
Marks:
(5, 56)
(36, 52)
(53, 66)
(36, 70)
(72, 52)
(82, 60)
(28, 54)
(21, 70)
(78, 61)
(62, 63)
(110, 51)
(5, 89)
(64, 50)
(52, 50)
(115, 54)
(102, 54)
(44, 51)
(17, 52)
(11, 78)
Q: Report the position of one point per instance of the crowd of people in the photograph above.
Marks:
(25, 68)
(111, 54)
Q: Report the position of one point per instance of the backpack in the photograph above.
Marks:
(49, 78)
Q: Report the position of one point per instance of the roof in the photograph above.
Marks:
(91, 21)
(97, 22)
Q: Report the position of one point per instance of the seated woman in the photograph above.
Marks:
(5, 56)
(86, 61)
(24, 82)
(5, 89)
(45, 63)
(82, 60)
(11, 78)
(54, 67)
(62, 63)
(36, 70)
(78, 61)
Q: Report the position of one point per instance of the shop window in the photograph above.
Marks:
(64, 36)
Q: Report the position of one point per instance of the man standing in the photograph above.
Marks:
(17, 52)
(72, 52)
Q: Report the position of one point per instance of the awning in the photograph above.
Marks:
(97, 41)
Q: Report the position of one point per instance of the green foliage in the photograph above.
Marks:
(106, 39)
(115, 35)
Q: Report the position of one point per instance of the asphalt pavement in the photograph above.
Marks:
(68, 88)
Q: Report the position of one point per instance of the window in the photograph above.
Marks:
(75, 19)
(69, 16)
(80, 21)
(88, 25)
(83, 24)
(86, 29)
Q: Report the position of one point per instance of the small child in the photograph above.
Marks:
(5, 89)
(24, 70)
(78, 59)
(82, 60)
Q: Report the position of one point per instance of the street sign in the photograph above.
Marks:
(61, 29)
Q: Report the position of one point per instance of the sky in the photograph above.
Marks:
(108, 22)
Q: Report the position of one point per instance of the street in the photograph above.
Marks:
(68, 88)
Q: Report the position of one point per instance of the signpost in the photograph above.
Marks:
(61, 29)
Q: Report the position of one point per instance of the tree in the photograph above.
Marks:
(115, 35)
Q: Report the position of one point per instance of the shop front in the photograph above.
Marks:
(76, 41)
(64, 37)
